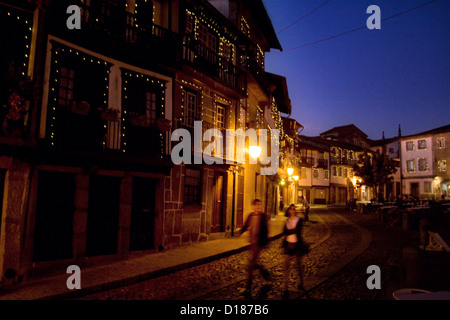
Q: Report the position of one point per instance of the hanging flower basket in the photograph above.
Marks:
(163, 124)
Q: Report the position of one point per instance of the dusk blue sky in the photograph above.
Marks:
(375, 79)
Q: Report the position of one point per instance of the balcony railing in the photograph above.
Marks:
(322, 163)
(111, 29)
(94, 134)
(144, 139)
(212, 63)
(306, 161)
(344, 161)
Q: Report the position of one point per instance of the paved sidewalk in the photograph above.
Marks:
(129, 271)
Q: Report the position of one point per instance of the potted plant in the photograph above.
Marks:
(16, 98)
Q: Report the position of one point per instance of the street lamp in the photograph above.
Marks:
(254, 151)
(290, 171)
(295, 178)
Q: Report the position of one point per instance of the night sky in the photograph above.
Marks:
(375, 79)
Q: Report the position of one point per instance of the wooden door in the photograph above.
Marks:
(217, 223)
(143, 214)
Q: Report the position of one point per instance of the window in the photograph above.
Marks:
(422, 144)
(150, 105)
(190, 108)
(144, 101)
(427, 187)
(316, 174)
(189, 23)
(304, 173)
(410, 166)
(192, 186)
(326, 174)
(409, 146)
(350, 173)
(339, 173)
(442, 165)
(227, 50)
(220, 116)
(66, 86)
(206, 38)
(344, 172)
(334, 168)
(423, 166)
(351, 155)
(441, 143)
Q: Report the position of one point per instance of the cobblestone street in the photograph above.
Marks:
(331, 233)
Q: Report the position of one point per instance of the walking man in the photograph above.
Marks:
(305, 205)
(257, 225)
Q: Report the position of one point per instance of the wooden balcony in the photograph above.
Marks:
(93, 135)
(110, 29)
(322, 163)
(199, 56)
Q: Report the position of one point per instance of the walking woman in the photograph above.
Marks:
(293, 247)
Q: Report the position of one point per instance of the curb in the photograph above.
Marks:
(145, 276)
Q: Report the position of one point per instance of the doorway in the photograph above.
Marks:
(54, 216)
(218, 215)
(415, 190)
(103, 215)
(143, 214)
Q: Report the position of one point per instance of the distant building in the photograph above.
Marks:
(323, 166)
(390, 147)
(424, 161)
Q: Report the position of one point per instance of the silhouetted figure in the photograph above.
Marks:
(294, 247)
(305, 205)
(257, 224)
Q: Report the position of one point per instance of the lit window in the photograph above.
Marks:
(220, 116)
(190, 108)
(409, 146)
(316, 174)
(410, 166)
(423, 164)
(422, 144)
(442, 165)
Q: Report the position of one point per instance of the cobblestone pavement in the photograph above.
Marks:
(330, 238)
(385, 251)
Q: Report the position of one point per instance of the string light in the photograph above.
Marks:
(27, 36)
(154, 84)
(60, 53)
